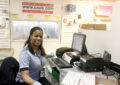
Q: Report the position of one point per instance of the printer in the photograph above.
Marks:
(71, 57)
(78, 53)
(89, 63)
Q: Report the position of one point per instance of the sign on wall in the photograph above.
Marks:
(45, 8)
(35, 9)
(101, 10)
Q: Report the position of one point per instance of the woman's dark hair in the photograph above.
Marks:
(28, 40)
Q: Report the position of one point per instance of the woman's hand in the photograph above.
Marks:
(50, 54)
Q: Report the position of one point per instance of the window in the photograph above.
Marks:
(21, 29)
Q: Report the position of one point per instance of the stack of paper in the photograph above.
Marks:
(77, 78)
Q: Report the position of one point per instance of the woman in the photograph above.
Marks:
(32, 59)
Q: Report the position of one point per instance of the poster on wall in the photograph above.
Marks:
(36, 9)
(44, 8)
(104, 11)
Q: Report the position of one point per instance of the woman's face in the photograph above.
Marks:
(36, 38)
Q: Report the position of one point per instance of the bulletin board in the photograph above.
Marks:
(4, 24)
(21, 29)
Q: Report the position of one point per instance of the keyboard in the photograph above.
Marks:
(61, 63)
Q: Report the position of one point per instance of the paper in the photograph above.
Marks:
(30, 16)
(103, 10)
(66, 57)
(47, 17)
(15, 16)
(77, 78)
(2, 22)
(57, 18)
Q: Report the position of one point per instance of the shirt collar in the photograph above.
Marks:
(31, 50)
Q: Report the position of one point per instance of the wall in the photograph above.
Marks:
(85, 8)
(97, 41)
(114, 38)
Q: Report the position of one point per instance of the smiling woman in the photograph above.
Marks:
(36, 38)
(32, 59)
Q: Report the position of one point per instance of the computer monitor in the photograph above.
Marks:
(78, 43)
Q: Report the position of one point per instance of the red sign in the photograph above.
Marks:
(28, 7)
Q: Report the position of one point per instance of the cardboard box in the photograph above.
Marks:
(94, 26)
(99, 27)
(87, 26)
(104, 81)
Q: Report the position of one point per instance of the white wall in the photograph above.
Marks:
(99, 41)
(115, 40)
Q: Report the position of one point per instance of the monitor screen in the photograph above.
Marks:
(78, 42)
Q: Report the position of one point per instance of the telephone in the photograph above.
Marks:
(107, 56)
(107, 61)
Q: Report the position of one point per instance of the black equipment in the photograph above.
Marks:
(107, 60)
(89, 63)
(60, 51)
(78, 48)
(78, 43)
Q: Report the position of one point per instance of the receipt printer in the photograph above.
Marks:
(71, 57)
(90, 63)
